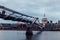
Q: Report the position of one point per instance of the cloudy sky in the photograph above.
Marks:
(35, 8)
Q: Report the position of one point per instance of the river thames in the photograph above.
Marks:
(20, 35)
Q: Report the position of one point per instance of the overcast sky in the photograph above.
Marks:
(35, 8)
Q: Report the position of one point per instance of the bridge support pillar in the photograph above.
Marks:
(29, 31)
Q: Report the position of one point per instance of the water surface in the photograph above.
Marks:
(20, 35)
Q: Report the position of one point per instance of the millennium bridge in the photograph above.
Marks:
(30, 21)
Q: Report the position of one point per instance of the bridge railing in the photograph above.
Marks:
(8, 14)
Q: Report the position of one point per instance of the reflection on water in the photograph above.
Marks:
(29, 37)
(20, 35)
(36, 36)
(33, 37)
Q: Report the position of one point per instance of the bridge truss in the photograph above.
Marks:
(8, 14)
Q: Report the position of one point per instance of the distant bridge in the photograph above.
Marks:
(8, 14)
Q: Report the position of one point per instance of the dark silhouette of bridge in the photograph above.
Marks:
(8, 14)
(30, 21)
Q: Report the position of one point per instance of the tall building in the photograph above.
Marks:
(44, 20)
(58, 21)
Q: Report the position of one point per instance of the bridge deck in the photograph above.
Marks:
(8, 14)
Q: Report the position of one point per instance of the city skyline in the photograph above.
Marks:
(35, 8)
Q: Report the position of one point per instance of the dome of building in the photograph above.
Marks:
(44, 20)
